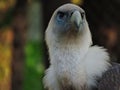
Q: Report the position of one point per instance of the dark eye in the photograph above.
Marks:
(61, 16)
(82, 14)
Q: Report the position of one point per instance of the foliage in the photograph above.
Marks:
(34, 66)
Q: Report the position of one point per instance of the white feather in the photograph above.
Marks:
(76, 69)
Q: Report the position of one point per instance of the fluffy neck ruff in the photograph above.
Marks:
(75, 63)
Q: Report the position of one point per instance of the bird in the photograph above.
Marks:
(75, 63)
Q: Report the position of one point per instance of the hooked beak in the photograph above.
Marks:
(76, 19)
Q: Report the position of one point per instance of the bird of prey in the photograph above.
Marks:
(75, 64)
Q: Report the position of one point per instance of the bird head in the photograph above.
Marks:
(69, 20)
(68, 23)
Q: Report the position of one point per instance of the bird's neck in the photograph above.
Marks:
(75, 46)
(68, 52)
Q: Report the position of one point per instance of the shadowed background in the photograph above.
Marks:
(23, 53)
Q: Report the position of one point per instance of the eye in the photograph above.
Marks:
(61, 16)
(82, 14)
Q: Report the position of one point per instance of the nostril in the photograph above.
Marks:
(71, 13)
(82, 14)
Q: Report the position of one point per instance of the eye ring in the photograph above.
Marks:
(61, 16)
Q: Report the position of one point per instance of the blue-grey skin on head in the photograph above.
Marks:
(68, 24)
(68, 20)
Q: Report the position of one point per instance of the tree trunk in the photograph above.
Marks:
(19, 26)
